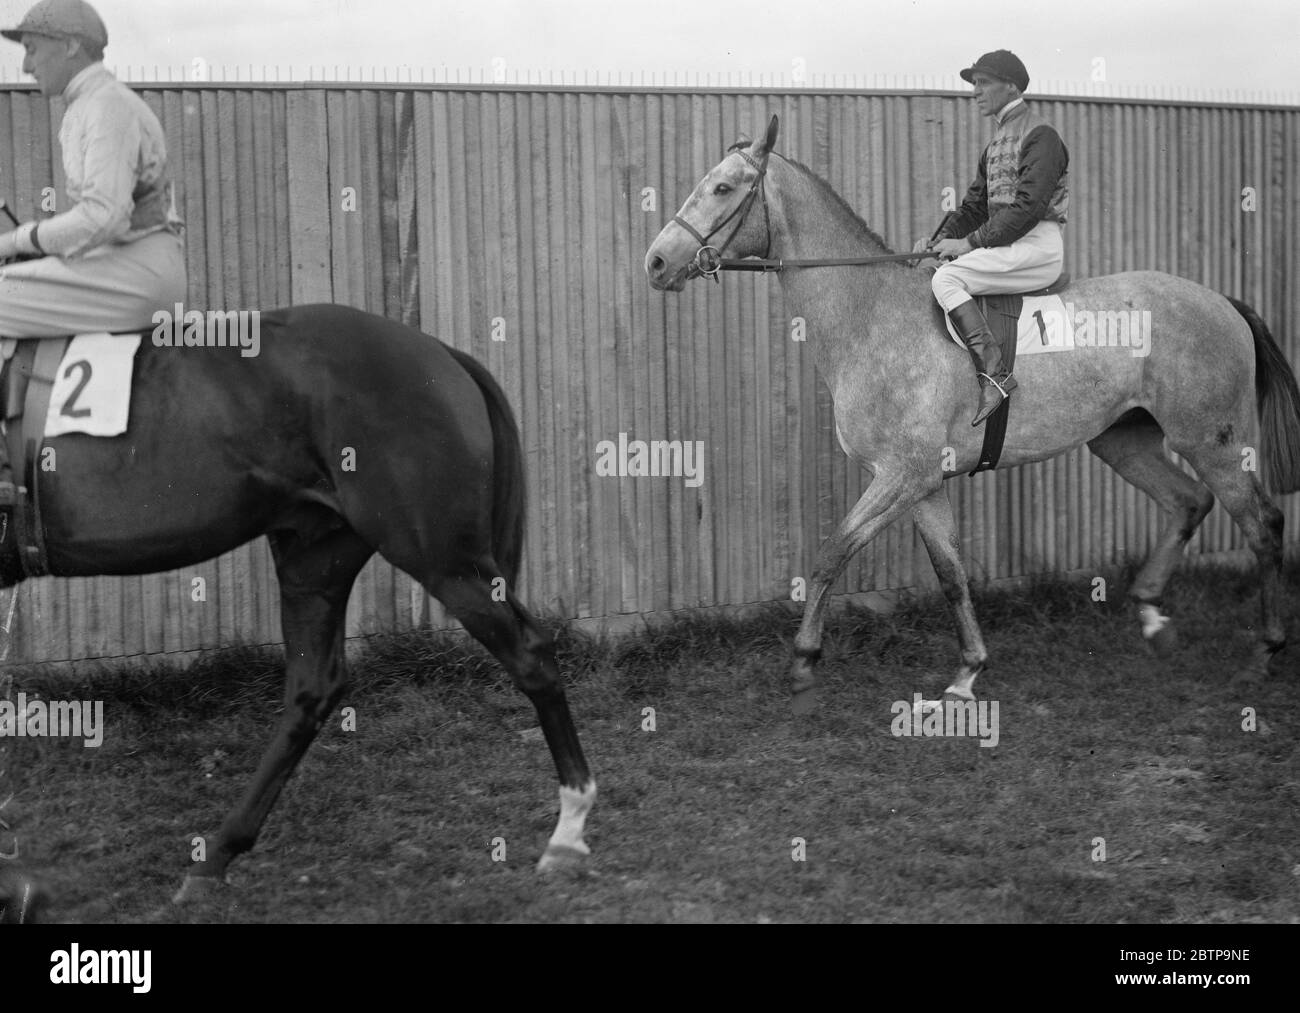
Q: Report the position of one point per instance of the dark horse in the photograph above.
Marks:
(222, 448)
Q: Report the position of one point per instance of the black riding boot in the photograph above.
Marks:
(995, 382)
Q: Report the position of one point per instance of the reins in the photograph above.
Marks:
(766, 265)
(709, 260)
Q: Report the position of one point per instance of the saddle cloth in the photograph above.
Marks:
(1043, 324)
(1027, 324)
(49, 387)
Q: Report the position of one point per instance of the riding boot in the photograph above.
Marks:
(995, 381)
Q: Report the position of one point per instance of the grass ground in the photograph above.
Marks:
(697, 820)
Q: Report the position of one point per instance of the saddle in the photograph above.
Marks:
(1003, 315)
(26, 382)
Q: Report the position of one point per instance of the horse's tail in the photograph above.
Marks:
(507, 471)
(1278, 402)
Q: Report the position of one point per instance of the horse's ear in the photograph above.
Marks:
(769, 139)
(742, 141)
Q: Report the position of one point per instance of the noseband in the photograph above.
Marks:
(708, 260)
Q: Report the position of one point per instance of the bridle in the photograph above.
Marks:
(709, 260)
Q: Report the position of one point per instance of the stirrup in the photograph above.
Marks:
(1004, 392)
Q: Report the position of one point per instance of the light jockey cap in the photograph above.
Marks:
(64, 19)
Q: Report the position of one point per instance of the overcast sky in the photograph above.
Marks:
(1220, 45)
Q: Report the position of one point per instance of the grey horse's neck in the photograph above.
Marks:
(822, 223)
(811, 221)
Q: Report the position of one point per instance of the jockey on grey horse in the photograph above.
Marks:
(115, 257)
(1006, 236)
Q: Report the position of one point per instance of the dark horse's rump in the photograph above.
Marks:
(508, 504)
(347, 434)
(223, 446)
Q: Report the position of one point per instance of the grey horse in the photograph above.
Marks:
(1215, 384)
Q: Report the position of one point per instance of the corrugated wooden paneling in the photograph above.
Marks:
(528, 211)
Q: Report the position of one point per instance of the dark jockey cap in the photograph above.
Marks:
(1000, 63)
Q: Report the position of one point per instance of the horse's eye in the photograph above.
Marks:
(722, 189)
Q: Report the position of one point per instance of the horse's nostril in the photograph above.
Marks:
(657, 265)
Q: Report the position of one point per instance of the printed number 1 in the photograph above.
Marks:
(1042, 327)
(68, 409)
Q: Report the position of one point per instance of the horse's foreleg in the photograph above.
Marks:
(887, 498)
(934, 522)
(315, 581)
(1136, 451)
(501, 624)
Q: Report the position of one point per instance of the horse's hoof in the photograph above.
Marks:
(22, 901)
(199, 888)
(804, 701)
(1164, 641)
(562, 858)
(1250, 674)
(1257, 669)
(923, 707)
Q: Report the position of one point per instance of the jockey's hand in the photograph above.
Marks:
(12, 252)
(951, 249)
(928, 263)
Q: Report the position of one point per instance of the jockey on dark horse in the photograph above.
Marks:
(1006, 236)
(112, 259)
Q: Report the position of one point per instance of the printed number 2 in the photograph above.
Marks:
(68, 409)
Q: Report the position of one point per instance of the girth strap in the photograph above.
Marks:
(32, 373)
(1002, 312)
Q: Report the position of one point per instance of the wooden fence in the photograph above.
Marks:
(523, 214)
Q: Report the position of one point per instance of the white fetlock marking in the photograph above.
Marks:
(574, 806)
(960, 688)
(924, 707)
(1152, 621)
(963, 685)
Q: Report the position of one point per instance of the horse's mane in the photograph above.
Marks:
(830, 191)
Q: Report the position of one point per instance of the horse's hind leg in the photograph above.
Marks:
(316, 576)
(1261, 522)
(1135, 449)
(478, 597)
(934, 522)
